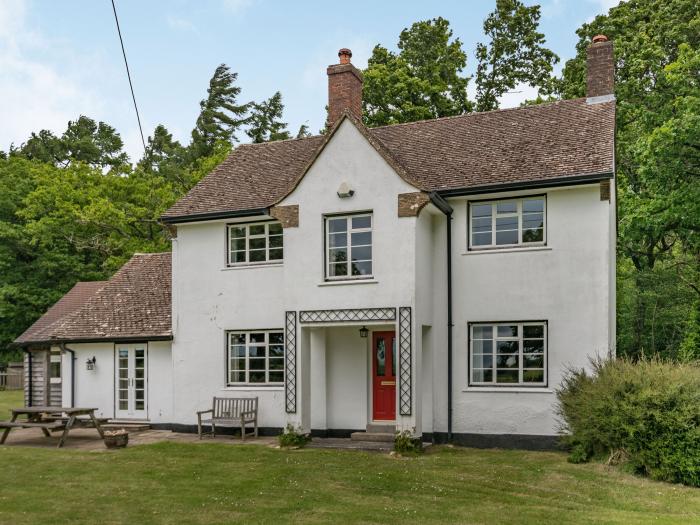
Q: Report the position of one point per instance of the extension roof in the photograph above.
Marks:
(546, 144)
(134, 304)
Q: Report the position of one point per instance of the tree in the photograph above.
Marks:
(266, 120)
(303, 131)
(96, 144)
(515, 53)
(657, 87)
(422, 81)
(167, 158)
(221, 116)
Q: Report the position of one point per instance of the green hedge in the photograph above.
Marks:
(645, 414)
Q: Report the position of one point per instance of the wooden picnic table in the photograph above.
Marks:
(52, 418)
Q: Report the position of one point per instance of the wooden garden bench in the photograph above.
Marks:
(230, 411)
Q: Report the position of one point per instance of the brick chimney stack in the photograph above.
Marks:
(344, 88)
(600, 68)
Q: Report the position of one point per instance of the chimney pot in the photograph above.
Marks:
(600, 38)
(345, 55)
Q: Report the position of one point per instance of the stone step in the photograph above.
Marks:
(383, 437)
(383, 428)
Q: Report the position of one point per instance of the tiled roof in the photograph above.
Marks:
(135, 302)
(69, 303)
(535, 143)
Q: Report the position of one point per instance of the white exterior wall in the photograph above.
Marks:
(565, 283)
(95, 388)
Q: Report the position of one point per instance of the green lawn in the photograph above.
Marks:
(10, 399)
(215, 483)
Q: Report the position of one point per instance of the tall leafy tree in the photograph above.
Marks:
(221, 115)
(514, 54)
(303, 131)
(266, 120)
(423, 80)
(166, 157)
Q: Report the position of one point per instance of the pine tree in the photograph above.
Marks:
(266, 120)
(303, 131)
(221, 116)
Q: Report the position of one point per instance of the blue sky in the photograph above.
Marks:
(62, 59)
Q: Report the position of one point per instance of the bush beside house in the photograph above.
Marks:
(644, 414)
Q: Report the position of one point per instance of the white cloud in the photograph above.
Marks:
(35, 95)
(236, 6)
(180, 24)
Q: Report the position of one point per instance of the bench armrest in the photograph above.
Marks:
(200, 412)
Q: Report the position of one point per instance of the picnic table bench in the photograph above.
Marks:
(52, 419)
(230, 411)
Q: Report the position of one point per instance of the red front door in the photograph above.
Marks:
(384, 376)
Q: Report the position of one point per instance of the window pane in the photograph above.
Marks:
(238, 339)
(256, 377)
(381, 358)
(507, 347)
(482, 361)
(363, 253)
(276, 377)
(256, 351)
(364, 221)
(257, 244)
(482, 376)
(509, 237)
(337, 240)
(257, 364)
(238, 231)
(237, 377)
(337, 225)
(275, 228)
(482, 347)
(257, 229)
(507, 207)
(361, 238)
(506, 376)
(276, 241)
(362, 268)
(237, 257)
(257, 337)
(276, 364)
(257, 256)
(481, 239)
(507, 361)
(338, 269)
(533, 235)
(533, 361)
(482, 332)
(238, 244)
(276, 254)
(533, 220)
(237, 364)
(338, 254)
(533, 376)
(238, 351)
(506, 223)
(481, 225)
(508, 330)
(531, 346)
(276, 338)
(530, 205)
(481, 210)
(276, 351)
(533, 331)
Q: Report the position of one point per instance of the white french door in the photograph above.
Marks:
(131, 381)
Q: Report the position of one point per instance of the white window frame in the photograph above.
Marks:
(248, 345)
(495, 215)
(348, 245)
(248, 237)
(519, 339)
(55, 357)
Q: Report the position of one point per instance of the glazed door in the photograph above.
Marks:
(130, 382)
(384, 376)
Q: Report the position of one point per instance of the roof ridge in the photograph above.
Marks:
(476, 113)
(269, 142)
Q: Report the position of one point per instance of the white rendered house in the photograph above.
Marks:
(436, 276)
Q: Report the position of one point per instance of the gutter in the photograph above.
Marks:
(72, 372)
(445, 208)
(214, 216)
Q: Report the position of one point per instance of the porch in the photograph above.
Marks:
(352, 371)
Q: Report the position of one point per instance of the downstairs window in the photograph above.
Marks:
(255, 357)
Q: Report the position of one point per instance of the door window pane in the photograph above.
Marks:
(381, 357)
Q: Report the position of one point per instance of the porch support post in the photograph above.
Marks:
(304, 375)
(408, 404)
(317, 353)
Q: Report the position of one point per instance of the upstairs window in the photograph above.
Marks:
(507, 223)
(254, 243)
(349, 246)
(508, 354)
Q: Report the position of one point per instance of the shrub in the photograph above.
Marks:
(406, 443)
(646, 414)
(292, 437)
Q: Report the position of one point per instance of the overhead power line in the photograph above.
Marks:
(128, 74)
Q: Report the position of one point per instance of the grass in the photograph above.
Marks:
(10, 399)
(213, 483)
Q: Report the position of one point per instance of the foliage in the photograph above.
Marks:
(515, 53)
(266, 120)
(657, 86)
(293, 437)
(422, 81)
(646, 414)
(406, 443)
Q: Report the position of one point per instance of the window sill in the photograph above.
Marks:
(510, 389)
(249, 266)
(349, 281)
(250, 388)
(509, 250)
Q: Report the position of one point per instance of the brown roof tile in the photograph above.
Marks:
(135, 302)
(534, 143)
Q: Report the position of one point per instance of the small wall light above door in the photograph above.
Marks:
(364, 332)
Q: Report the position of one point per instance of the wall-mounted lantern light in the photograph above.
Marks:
(91, 362)
(364, 332)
